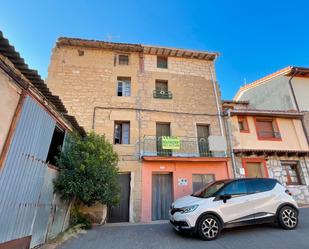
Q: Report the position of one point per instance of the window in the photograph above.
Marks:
(202, 139)
(161, 61)
(260, 185)
(292, 172)
(255, 169)
(235, 188)
(162, 129)
(210, 189)
(243, 124)
(123, 86)
(267, 129)
(161, 85)
(201, 180)
(55, 146)
(162, 91)
(123, 59)
(122, 132)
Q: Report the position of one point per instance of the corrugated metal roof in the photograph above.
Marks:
(8, 51)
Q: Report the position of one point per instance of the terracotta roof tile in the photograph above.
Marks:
(32, 76)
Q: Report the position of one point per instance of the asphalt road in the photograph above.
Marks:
(163, 236)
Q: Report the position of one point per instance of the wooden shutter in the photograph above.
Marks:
(163, 130)
(202, 131)
(265, 125)
(161, 85)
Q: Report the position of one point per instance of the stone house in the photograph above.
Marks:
(159, 106)
(269, 143)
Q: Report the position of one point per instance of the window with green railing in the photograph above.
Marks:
(161, 91)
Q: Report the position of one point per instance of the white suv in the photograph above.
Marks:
(229, 203)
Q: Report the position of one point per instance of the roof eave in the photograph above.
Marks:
(267, 113)
(147, 49)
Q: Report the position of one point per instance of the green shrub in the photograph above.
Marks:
(78, 218)
(88, 172)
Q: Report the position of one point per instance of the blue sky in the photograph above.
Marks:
(254, 38)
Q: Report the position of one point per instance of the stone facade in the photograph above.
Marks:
(275, 170)
(86, 82)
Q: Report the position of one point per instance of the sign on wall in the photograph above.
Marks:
(170, 143)
(182, 181)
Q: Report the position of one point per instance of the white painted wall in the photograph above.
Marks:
(301, 89)
(274, 94)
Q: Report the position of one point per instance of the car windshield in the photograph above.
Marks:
(209, 189)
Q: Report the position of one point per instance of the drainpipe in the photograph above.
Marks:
(292, 89)
(139, 103)
(217, 100)
(229, 136)
(296, 103)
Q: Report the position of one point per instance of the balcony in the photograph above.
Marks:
(180, 147)
(159, 94)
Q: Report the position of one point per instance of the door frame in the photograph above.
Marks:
(260, 160)
(129, 173)
(172, 184)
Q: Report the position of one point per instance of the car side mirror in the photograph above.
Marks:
(225, 197)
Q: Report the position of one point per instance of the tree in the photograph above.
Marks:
(88, 170)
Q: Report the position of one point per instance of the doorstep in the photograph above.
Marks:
(117, 224)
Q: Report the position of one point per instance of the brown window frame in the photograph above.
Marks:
(295, 165)
(159, 64)
(165, 82)
(274, 125)
(117, 60)
(245, 124)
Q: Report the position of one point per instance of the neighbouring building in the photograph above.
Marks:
(159, 106)
(286, 89)
(33, 125)
(269, 143)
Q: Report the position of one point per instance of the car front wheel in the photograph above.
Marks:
(288, 218)
(209, 227)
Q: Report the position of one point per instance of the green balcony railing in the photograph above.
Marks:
(161, 94)
(188, 147)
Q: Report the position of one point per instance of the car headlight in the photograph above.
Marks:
(188, 209)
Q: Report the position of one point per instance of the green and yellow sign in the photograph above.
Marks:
(170, 143)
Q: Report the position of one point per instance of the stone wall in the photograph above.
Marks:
(89, 81)
(181, 66)
(275, 170)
